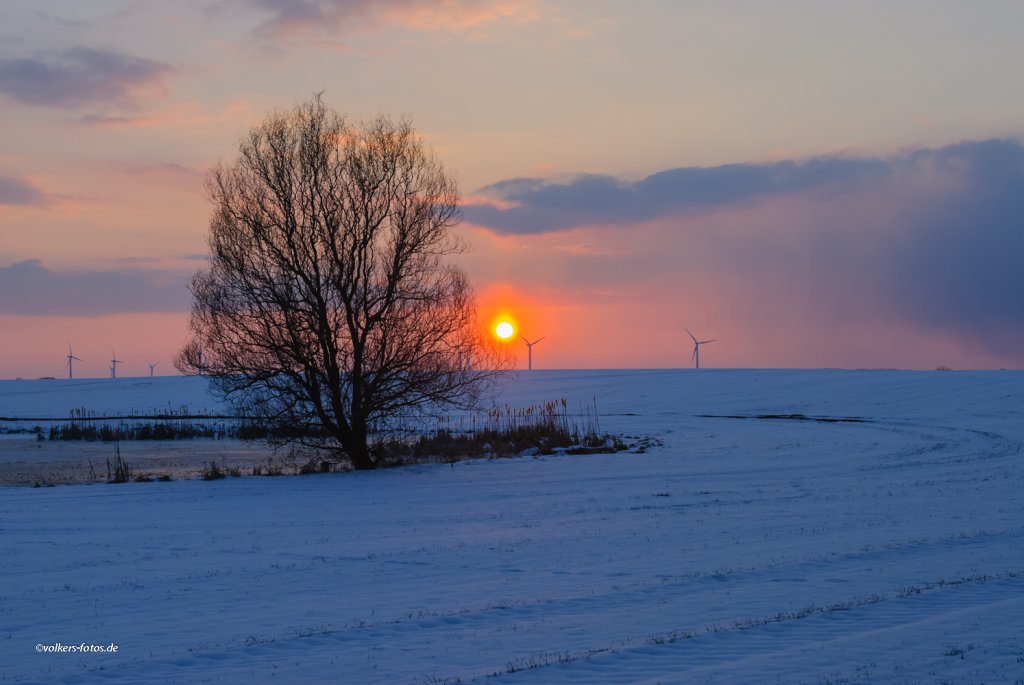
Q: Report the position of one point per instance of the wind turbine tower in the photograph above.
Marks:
(71, 358)
(114, 361)
(152, 365)
(529, 350)
(696, 348)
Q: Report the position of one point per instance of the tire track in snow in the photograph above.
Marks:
(722, 650)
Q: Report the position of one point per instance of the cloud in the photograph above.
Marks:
(29, 288)
(61, 22)
(958, 265)
(19, 192)
(164, 169)
(119, 121)
(297, 17)
(533, 205)
(80, 76)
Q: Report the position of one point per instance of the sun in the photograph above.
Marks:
(504, 330)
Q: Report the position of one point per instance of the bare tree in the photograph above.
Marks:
(329, 305)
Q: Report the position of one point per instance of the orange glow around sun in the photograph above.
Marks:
(500, 308)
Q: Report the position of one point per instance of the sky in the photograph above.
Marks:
(810, 183)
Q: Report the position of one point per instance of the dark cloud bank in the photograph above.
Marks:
(29, 288)
(931, 237)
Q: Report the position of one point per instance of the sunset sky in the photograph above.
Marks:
(811, 183)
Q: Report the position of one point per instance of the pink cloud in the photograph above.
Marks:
(320, 17)
(457, 15)
(181, 114)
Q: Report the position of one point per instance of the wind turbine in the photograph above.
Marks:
(71, 358)
(696, 348)
(529, 350)
(152, 366)
(114, 361)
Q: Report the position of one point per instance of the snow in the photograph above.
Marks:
(889, 549)
(57, 398)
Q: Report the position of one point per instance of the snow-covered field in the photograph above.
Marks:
(742, 550)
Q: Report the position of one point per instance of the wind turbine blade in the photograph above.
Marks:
(538, 340)
(691, 335)
(702, 342)
(694, 355)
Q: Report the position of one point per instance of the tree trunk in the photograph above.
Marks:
(361, 459)
(358, 450)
